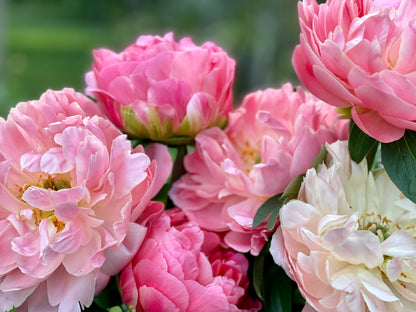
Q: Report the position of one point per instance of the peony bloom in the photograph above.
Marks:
(358, 55)
(270, 139)
(71, 190)
(349, 238)
(162, 90)
(179, 267)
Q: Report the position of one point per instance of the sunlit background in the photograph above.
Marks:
(47, 44)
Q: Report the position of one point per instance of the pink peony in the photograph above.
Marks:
(349, 239)
(180, 267)
(71, 190)
(358, 55)
(162, 90)
(273, 137)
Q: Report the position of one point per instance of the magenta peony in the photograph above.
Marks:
(162, 90)
(71, 189)
(349, 239)
(270, 139)
(359, 56)
(180, 267)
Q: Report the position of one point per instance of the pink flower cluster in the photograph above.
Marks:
(358, 55)
(163, 90)
(78, 201)
(77, 198)
(270, 139)
(180, 267)
(72, 189)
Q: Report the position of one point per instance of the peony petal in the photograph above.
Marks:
(116, 259)
(400, 244)
(150, 275)
(356, 247)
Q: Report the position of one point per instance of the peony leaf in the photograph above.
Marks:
(278, 296)
(273, 287)
(273, 203)
(399, 160)
(320, 158)
(258, 271)
(271, 222)
(292, 190)
(277, 287)
(107, 298)
(359, 143)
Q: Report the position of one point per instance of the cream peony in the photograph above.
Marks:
(348, 240)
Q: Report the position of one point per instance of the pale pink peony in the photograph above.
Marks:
(349, 239)
(71, 189)
(359, 56)
(270, 139)
(180, 267)
(163, 90)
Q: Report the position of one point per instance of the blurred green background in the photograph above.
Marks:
(47, 44)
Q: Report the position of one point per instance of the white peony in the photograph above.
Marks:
(348, 240)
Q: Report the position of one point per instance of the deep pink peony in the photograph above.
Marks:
(71, 188)
(180, 267)
(273, 137)
(348, 240)
(163, 90)
(359, 56)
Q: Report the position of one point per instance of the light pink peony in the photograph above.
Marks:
(71, 190)
(349, 239)
(180, 267)
(359, 56)
(270, 139)
(163, 90)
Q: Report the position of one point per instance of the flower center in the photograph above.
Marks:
(380, 226)
(39, 215)
(54, 183)
(383, 227)
(250, 156)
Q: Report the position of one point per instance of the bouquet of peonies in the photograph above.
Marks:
(151, 193)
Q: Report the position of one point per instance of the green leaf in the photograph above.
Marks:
(122, 308)
(399, 160)
(110, 296)
(292, 190)
(273, 203)
(271, 222)
(277, 287)
(278, 297)
(258, 272)
(320, 158)
(359, 143)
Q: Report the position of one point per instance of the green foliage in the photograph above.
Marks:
(399, 160)
(360, 144)
(108, 298)
(276, 290)
(269, 206)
